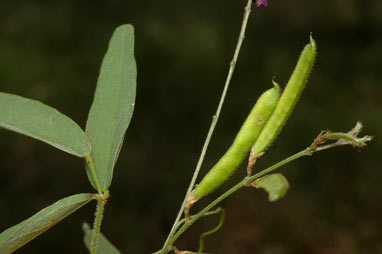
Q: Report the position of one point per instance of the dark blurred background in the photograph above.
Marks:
(52, 50)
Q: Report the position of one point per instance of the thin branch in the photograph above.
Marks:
(215, 118)
(247, 180)
(212, 231)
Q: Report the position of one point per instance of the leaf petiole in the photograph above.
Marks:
(90, 164)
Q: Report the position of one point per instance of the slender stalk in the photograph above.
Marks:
(212, 231)
(307, 151)
(101, 201)
(215, 118)
(218, 210)
(90, 163)
(246, 182)
(197, 216)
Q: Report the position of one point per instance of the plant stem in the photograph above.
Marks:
(218, 210)
(245, 182)
(101, 201)
(215, 118)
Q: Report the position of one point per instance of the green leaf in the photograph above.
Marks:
(24, 232)
(275, 184)
(113, 104)
(39, 121)
(104, 245)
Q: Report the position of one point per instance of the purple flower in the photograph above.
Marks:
(261, 3)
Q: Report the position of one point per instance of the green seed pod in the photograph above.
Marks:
(287, 100)
(245, 138)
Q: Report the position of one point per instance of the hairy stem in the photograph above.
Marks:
(215, 118)
(101, 201)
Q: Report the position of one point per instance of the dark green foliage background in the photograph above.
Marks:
(52, 50)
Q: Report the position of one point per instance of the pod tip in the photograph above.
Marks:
(312, 41)
(275, 84)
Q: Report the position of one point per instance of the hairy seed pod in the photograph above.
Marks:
(245, 138)
(287, 100)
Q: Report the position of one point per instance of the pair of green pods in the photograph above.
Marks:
(261, 126)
